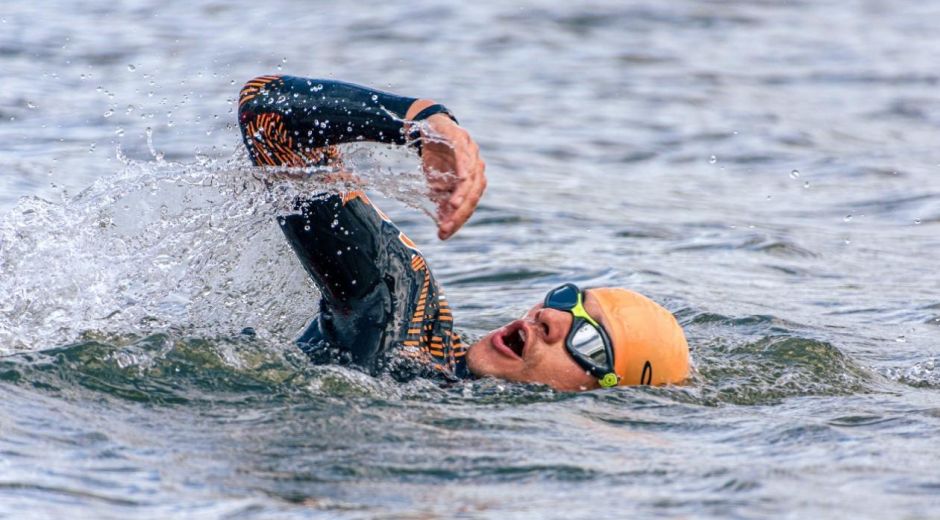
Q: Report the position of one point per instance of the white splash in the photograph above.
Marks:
(193, 248)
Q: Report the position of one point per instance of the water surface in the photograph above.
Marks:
(766, 170)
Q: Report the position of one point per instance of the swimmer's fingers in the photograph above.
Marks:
(455, 172)
(458, 209)
(465, 186)
(466, 191)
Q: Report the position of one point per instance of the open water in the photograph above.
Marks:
(768, 170)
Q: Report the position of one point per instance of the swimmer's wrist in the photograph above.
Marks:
(425, 109)
(429, 111)
(418, 106)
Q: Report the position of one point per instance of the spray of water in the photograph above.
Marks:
(192, 248)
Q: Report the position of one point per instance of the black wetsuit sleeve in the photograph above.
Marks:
(302, 115)
(339, 245)
(339, 242)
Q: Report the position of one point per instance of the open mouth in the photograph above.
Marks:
(512, 339)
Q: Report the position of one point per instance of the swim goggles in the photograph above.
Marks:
(587, 341)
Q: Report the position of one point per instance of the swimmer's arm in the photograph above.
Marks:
(449, 156)
(321, 113)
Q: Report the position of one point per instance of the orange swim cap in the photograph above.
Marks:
(649, 345)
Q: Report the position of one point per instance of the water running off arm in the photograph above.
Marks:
(304, 119)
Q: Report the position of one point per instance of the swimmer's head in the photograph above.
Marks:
(647, 344)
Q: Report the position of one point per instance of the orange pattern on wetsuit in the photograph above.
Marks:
(266, 137)
(430, 333)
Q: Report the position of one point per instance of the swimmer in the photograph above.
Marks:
(381, 308)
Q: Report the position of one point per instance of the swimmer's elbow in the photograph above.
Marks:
(253, 88)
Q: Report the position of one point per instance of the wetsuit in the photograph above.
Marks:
(380, 308)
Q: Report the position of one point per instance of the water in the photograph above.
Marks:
(766, 170)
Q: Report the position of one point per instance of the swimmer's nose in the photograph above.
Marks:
(553, 324)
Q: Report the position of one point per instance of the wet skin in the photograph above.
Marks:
(532, 350)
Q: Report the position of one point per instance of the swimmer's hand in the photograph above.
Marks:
(451, 161)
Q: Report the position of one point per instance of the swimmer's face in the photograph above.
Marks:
(532, 350)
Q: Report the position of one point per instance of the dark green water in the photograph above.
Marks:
(767, 171)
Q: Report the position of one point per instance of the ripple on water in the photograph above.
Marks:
(164, 369)
(774, 246)
(758, 360)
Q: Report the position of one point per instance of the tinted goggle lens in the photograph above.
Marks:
(562, 298)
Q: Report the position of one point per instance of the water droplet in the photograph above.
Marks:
(847, 218)
(712, 159)
(806, 185)
(131, 67)
(375, 97)
(30, 104)
(339, 252)
(916, 221)
(109, 113)
(795, 174)
(306, 228)
(901, 339)
(119, 132)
